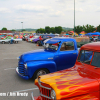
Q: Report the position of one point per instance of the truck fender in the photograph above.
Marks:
(36, 65)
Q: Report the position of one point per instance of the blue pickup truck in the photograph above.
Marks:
(58, 54)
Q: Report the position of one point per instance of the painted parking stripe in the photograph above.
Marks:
(9, 58)
(9, 68)
(26, 90)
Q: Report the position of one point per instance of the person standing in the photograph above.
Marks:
(12, 39)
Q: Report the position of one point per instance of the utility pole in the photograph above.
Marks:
(74, 17)
(22, 26)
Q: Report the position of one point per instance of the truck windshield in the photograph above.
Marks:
(85, 56)
(48, 46)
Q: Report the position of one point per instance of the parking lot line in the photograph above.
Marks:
(26, 90)
(9, 68)
(9, 58)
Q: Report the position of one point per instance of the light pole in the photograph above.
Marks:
(22, 26)
(74, 17)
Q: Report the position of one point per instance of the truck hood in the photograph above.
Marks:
(40, 54)
(70, 82)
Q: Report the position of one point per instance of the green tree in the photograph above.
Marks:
(98, 28)
(52, 30)
(13, 30)
(78, 29)
(47, 29)
(23, 30)
(38, 31)
(58, 29)
(4, 28)
(88, 28)
(41, 30)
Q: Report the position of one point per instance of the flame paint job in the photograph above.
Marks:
(83, 97)
(70, 83)
(81, 82)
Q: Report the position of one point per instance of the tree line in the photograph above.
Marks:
(86, 28)
(78, 29)
(58, 29)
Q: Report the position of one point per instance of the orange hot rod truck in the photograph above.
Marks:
(80, 82)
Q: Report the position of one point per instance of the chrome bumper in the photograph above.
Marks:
(32, 96)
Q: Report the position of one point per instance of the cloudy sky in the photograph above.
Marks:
(40, 13)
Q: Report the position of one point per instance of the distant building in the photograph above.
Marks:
(5, 31)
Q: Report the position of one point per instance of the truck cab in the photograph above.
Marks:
(58, 54)
(80, 82)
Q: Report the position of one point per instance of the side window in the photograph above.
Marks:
(66, 46)
(85, 56)
(96, 59)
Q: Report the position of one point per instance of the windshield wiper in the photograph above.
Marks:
(81, 62)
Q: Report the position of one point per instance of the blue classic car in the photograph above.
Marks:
(58, 54)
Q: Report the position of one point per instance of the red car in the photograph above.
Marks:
(81, 82)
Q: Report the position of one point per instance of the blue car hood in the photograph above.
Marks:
(40, 54)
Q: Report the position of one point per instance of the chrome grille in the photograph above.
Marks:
(45, 92)
(22, 70)
(21, 67)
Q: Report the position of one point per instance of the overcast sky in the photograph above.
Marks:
(40, 13)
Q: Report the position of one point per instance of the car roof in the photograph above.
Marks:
(94, 46)
(59, 39)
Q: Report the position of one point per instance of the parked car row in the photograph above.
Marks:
(39, 38)
(3, 41)
(80, 82)
(78, 73)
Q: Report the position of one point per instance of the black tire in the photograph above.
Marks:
(9, 42)
(13, 42)
(38, 73)
(3, 42)
(16, 42)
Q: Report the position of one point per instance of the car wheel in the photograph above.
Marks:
(15, 42)
(3, 42)
(40, 72)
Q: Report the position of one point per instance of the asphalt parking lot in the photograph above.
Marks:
(10, 83)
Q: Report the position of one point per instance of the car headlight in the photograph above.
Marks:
(53, 95)
(39, 81)
(25, 66)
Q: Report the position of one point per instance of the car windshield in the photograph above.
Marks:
(48, 46)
